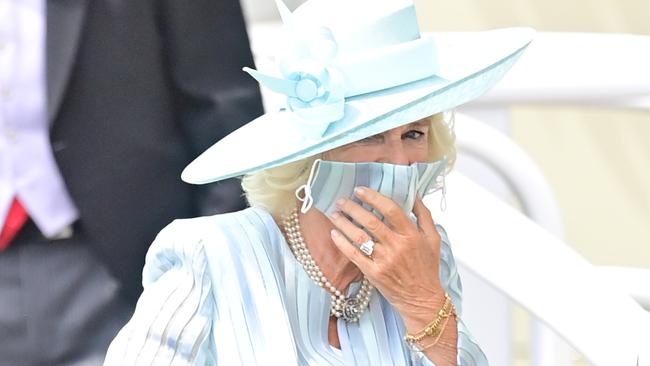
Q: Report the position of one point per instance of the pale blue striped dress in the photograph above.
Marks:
(226, 290)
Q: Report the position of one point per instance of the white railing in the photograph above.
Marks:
(543, 274)
(559, 273)
(525, 183)
(578, 69)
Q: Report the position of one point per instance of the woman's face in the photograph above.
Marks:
(402, 145)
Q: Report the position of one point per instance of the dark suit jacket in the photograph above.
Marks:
(136, 89)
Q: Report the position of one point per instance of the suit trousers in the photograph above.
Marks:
(58, 304)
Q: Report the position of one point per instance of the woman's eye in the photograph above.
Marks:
(413, 134)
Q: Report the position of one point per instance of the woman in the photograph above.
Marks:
(338, 261)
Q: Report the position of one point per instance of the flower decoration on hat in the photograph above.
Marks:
(324, 64)
(314, 88)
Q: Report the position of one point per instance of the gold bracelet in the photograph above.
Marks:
(422, 348)
(435, 328)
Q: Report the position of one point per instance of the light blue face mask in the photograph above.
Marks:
(331, 180)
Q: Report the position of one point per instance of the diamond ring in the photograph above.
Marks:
(367, 247)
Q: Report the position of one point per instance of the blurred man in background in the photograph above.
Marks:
(102, 103)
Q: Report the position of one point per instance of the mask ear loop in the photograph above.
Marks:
(443, 198)
(307, 199)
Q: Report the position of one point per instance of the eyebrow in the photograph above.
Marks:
(420, 123)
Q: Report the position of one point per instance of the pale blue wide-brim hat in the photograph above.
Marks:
(351, 69)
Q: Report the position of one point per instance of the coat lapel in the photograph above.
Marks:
(64, 23)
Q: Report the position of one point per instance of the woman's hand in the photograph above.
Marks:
(404, 265)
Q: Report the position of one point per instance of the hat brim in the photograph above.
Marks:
(470, 64)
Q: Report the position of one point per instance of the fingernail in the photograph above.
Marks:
(359, 190)
(335, 233)
(340, 202)
(335, 215)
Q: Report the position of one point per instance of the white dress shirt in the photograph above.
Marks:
(28, 169)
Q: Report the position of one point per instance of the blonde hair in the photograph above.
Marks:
(274, 189)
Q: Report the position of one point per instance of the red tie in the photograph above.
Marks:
(16, 219)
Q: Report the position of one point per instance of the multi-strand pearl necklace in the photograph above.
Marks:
(348, 308)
